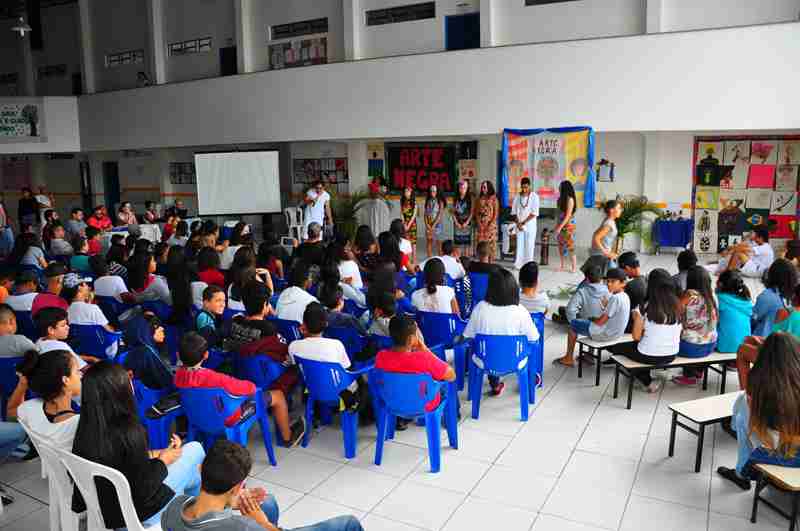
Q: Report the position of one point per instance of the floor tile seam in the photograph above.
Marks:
(543, 512)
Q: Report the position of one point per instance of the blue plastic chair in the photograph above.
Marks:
(405, 396)
(353, 308)
(290, 330)
(8, 381)
(93, 340)
(160, 308)
(259, 369)
(26, 326)
(498, 356)
(216, 357)
(229, 314)
(442, 329)
(279, 284)
(206, 409)
(353, 341)
(383, 342)
(536, 372)
(324, 382)
(112, 308)
(479, 283)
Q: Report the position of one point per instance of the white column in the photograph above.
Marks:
(244, 35)
(155, 12)
(353, 21)
(357, 165)
(487, 23)
(87, 47)
(654, 16)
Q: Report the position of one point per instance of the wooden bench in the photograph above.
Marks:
(594, 349)
(703, 412)
(628, 367)
(782, 478)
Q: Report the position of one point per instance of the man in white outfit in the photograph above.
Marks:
(318, 207)
(526, 210)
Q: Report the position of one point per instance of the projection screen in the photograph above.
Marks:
(241, 182)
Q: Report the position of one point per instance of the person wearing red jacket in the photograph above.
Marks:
(193, 352)
(99, 219)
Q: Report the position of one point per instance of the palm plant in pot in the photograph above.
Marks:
(637, 215)
(345, 207)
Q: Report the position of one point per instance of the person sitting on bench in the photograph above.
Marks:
(751, 257)
(767, 416)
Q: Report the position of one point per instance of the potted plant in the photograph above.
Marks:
(345, 207)
(636, 211)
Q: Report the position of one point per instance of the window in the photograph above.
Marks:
(392, 15)
(52, 71)
(190, 46)
(9, 78)
(543, 2)
(298, 29)
(131, 57)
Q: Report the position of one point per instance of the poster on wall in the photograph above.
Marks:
(758, 199)
(732, 199)
(707, 197)
(548, 157)
(710, 153)
(783, 203)
(764, 152)
(22, 121)
(786, 177)
(737, 152)
(375, 162)
(328, 170)
(789, 152)
(301, 52)
(761, 176)
(420, 166)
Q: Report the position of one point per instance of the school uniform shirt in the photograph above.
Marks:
(292, 303)
(60, 434)
(15, 346)
(83, 313)
(156, 290)
(21, 303)
(110, 286)
(320, 349)
(452, 266)
(438, 302)
(413, 363)
(32, 257)
(47, 300)
(47, 345)
(59, 247)
(349, 269)
(618, 311)
(660, 340)
(226, 256)
(539, 303)
(511, 320)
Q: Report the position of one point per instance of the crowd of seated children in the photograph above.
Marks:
(587, 301)
(530, 296)
(608, 326)
(293, 300)
(735, 311)
(435, 296)
(752, 257)
(12, 345)
(332, 297)
(208, 321)
(779, 283)
(686, 260)
(699, 321)
(194, 351)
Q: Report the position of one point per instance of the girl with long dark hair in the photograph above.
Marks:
(434, 212)
(270, 258)
(604, 240)
(435, 296)
(735, 311)
(779, 283)
(341, 254)
(390, 252)
(565, 230)
(463, 212)
(699, 319)
(366, 249)
(409, 211)
(145, 285)
(27, 251)
(486, 213)
(179, 280)
(110, 433)
(243, 270)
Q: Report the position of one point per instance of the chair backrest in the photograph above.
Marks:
(538, 321)
(294, 216)
(479, 283)
(229, 314)
(383, 342)
(26, 326)
(500, 354)
(290, 330)
(8, 375)
(353, 341)
(404, 395)
(111, 307)
(324, 380)
(438, 328)
(207, 408)
(353, 308)
(84, 472)
(448, 280)
(160, 308)
(259, 369)
(93, 339)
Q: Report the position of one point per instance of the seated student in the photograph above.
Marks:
(117, 260)
(657, 333)
(54, 329)
(143, 283)
(587, 301)
(607, 327)
(24, 291)
(330, 276)
(110, 433)
(751, 257)
(106, 284)
(59, 246)
(294, 299)
(7, 276)
(686, 260)
(699, 319)
(332, 297)
(271, 255)
(12, 345)
(194, 351)
(483, 264)
(789, 320)
(208, 267)
(398, 230)
(75, 226)
(410, 355)
(181, 235)
(312, 250)
(79, 262)
(435, 296)
(317, 348)
(54, 276)
(500, 313)
(93, 240)
(341, 254)
(390, 253)
(146, 359)
(735, 311)
(383, 307)
(242, 270)
(765, 417)
(56, 380)
(636, 288)
(530, 297)
(223, 474)
(779, 283)
(450, 259)
(28, 252)
(208, 321)
(365, 249)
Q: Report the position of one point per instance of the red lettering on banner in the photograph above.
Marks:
(422, 180)
(404, 157)
(426, 157)
(398, 178)
(438, 154)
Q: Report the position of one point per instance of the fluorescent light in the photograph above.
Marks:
(22, 27)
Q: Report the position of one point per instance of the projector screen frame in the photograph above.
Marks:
(218, 152)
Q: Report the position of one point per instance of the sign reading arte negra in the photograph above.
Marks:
(21, 119)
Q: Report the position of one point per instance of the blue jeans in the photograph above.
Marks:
(580, 326)
(750, 449)
(340, 523)
(693, 350)
(183, 476)
(11, 436)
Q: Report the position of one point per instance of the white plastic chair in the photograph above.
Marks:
(84, 473)
(294, 220)
(59, 483)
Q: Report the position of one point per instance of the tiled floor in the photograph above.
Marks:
(581, 463)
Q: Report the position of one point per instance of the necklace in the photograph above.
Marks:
(527, 200)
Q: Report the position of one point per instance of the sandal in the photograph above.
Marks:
(561, 362)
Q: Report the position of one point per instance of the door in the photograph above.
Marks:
(111, 185)
(227, 61)
(462, 32)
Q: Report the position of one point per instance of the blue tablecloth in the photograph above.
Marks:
(668, 233)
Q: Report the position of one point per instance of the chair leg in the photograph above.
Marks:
(266, 434)
(382, 424)
(391, 424)
(476, 395)
(523, 394)
(460, 353)
(451, 416)
(433, 423)
(350, 433)
(309, 421)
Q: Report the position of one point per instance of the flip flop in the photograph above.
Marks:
(560, 361)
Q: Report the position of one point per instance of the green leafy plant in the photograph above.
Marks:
(345, 207)
(636, 218)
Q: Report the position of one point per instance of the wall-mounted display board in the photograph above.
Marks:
(741, 183)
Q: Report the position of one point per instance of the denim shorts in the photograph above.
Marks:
(580, 326)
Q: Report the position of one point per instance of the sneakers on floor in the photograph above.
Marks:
(498, 390)
(685, 380)
(731, 475)
(298, 430)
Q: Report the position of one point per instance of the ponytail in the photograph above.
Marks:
(434, 274)
(46, 372)
(732, 282)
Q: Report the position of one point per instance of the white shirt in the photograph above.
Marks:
(177, 240)
(439, 302)
(524, 207)
(46, 345)
(452, 266)
(292, 303)
(60, 434)
(349, 268)
(352, 294)
(226, 257)
(233, 304)
(21, 303)
(763, 255)
(110, 286)
(660, 339)
(539, 303)
(83, 313)
(501, 321)
(405, 246)
(197, 293)
(320, 349)
(316, 211)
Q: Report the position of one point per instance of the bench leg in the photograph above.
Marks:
(599, 365)
(701, 435)
(580, 360)
(795, 505)
(705, 378)
(724, 379)
(630, 388)
(616, 380)
(760, 484)
(672, 429)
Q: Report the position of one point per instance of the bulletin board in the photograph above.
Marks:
(740, 183)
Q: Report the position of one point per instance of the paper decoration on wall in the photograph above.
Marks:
(707, 197)
(782, 227)
(761, 176)
(789, 152)
(786, 177)
(784, 203)
(726, 177)
(738, 176)
(705, 220)
(758, 199)
(755, 217)
(705, 242)
(709, 152)
(708, 174)
(468, 171)
(737, 152)
(763, 152)
(732, 199)
(329, 170)
(375, 162)
(731, 221)
(727, 241)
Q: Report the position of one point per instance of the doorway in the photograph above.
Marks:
(111, 189)
(462, 32)
(227, 61)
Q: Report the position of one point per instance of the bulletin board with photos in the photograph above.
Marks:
(741, 183)
(328, 170)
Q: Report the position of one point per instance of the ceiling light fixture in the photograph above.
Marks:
(22, 27)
